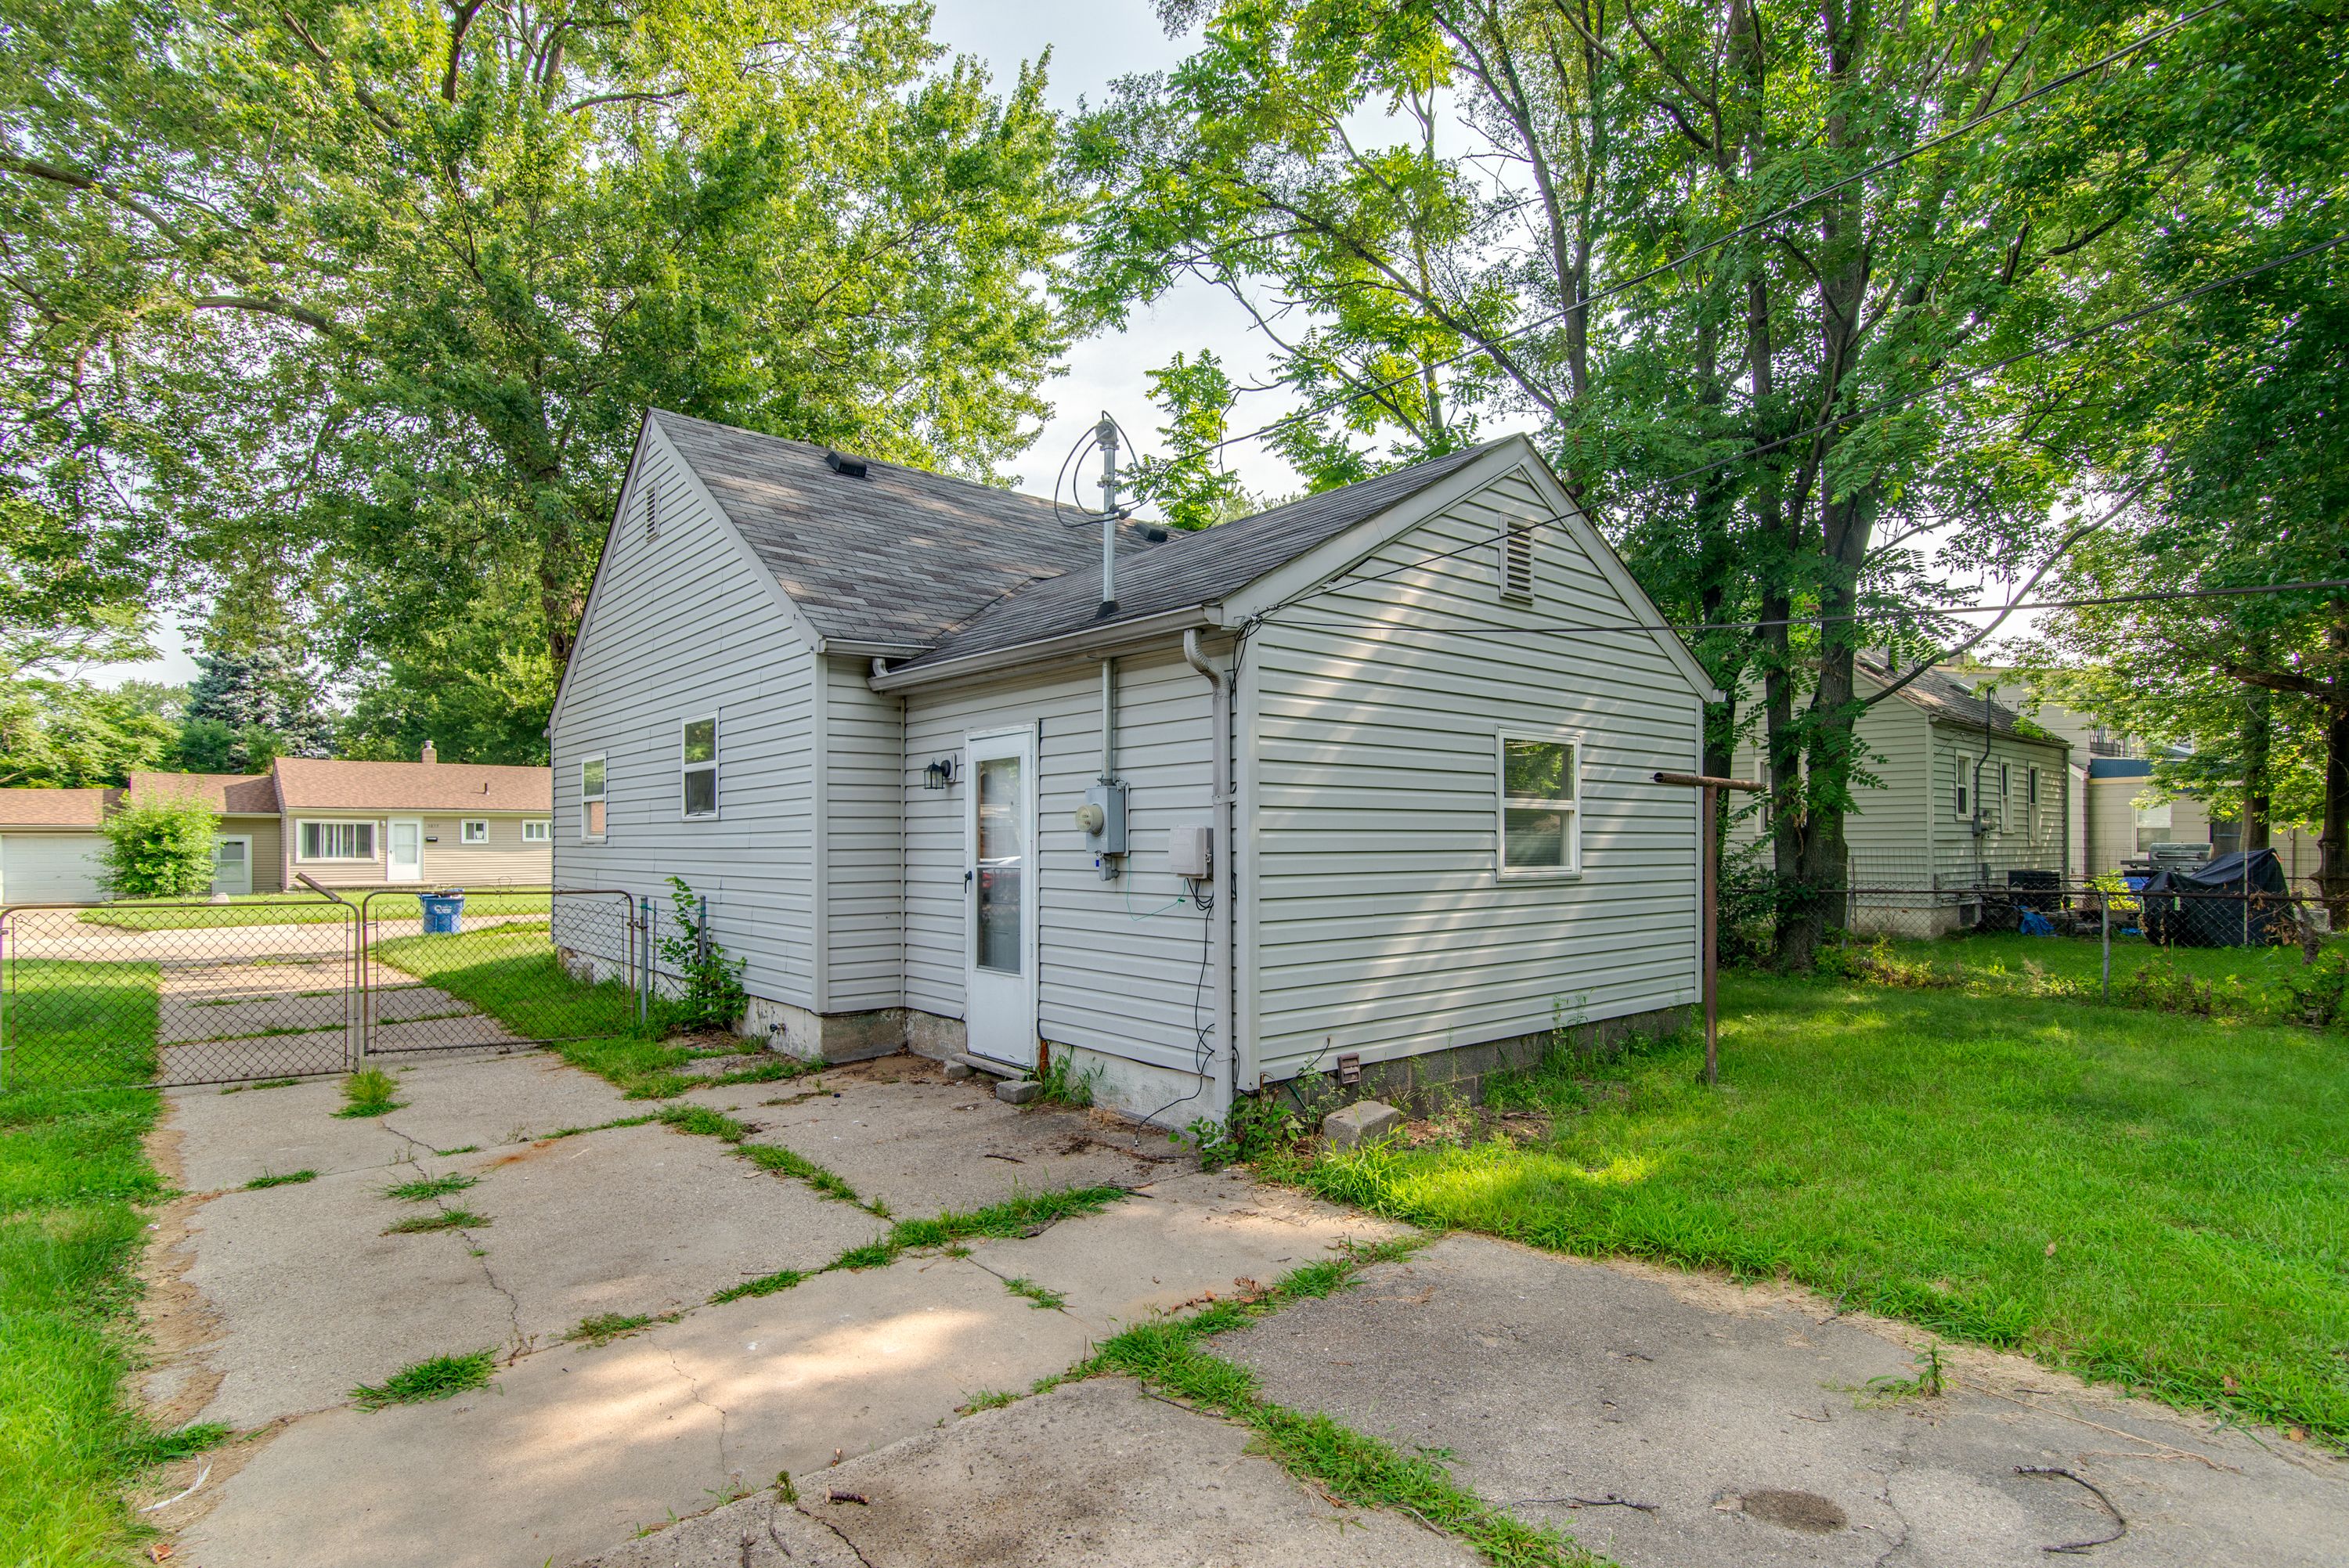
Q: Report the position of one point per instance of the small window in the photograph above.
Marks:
(700, 767)
(540, 831)
(1962, 797)
(591, 797)
(473, 832)
(1540, 806)
(339, 841)
(2001, 781)
(1517, 561)
(2031, 786)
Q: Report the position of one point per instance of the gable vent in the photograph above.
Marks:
(652, 512)
(844, 465)
(1517, 561)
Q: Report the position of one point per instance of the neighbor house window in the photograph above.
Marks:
(1540, 805)
(473, 832)
(1962, 797)
(701, 767)
(339, 841)
(2031, 783)
(591, 797)
(538, 832)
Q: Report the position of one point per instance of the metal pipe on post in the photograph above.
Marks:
(1105, 437)
(2104, 905)
(1708, 896)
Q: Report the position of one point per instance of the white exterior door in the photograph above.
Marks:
(232, 867)
(51, 868)
(999, 887)
(403, 855)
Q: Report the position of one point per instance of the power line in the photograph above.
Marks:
(1882, 613)
(2053, 85)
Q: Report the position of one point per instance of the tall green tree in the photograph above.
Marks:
(360, 301)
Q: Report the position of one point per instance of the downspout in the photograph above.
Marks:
(1219, 918)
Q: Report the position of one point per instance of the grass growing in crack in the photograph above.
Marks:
(1064, 1085)
(704, 1122)
(606, 1327)
(986, 1400)
(440, 1220)
(369, 1092)
(773, 1070)
(1170, 1355)
(283, 1178)
(424, 1189)
(765, 1285)
(1042, 1298)
(461, 1148)
(261, 1083)
(434, 1377)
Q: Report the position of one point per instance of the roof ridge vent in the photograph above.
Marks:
(844, 466)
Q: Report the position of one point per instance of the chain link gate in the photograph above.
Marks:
(184, 993)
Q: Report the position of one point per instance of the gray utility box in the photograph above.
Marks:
(1107, 835)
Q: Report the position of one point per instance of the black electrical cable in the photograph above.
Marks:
(2053, 85)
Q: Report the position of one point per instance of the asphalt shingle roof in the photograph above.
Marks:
(956, 567)
(314, 784)
(897, 556)
(1946, 697)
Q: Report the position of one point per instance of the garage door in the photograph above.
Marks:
(49, 868)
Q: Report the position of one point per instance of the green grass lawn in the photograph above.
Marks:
(2154, 1202)
(2243, 982)
(290, 909)
(73, 1178)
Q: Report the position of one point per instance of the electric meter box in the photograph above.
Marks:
(1191, 852)
(1109, 837)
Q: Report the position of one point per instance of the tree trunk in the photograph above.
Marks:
(2333, 842)
(2259, 746)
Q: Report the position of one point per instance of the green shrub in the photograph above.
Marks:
(714, 998)
(2318, 989)
(160, 847)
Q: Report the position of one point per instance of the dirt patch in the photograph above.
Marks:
(1805, 1511)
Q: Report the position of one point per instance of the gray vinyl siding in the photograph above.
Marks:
(864, 841)
(1378, 920)
(683, 626)
(1118, 971)
(1886, 832)
(2025, 837)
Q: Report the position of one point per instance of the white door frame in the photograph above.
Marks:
(1000, 1010)
(244, 838)
(392, 826)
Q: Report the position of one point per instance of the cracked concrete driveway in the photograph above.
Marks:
(1659, 1417)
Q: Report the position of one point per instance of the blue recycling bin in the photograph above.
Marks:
(441, 910)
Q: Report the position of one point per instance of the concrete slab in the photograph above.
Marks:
(313, 1299)
(198, 1002)
(1730, 1412)
(897, 1130)
(574, 1447)
(1091, 1473)
(225, 1139)
(1177, 1243)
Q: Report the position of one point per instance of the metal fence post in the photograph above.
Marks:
(2104, 906)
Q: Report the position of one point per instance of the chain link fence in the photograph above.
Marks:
(2031, 903)
(199, 992)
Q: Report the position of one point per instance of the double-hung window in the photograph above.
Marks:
(1540, 805)
(538, 830)
(473, 831)
(591, 797)
(698, 766)
(337, 841)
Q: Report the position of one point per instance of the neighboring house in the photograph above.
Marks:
(1964, 794)
(346, 824)
(2115, 819)
(882, 721)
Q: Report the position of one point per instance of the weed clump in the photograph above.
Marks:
(369, 1092)
(434, 1377)
(423, 1188)
(441, 1219)
(280, 1179)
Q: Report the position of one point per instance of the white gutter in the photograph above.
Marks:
(1081, 644)
(1225, 1059)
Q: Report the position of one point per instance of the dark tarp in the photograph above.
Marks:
(2218, 911)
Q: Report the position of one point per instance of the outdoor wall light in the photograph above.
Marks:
(939, 775)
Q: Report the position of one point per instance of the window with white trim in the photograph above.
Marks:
(591, 797)
(1540, 806)
(473, 831)
(336, 841)
(1517, 563)
(698, 770)
(538, 830)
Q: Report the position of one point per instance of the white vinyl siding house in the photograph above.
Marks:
(839, 645)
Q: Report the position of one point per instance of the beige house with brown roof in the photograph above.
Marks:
(342, 823)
